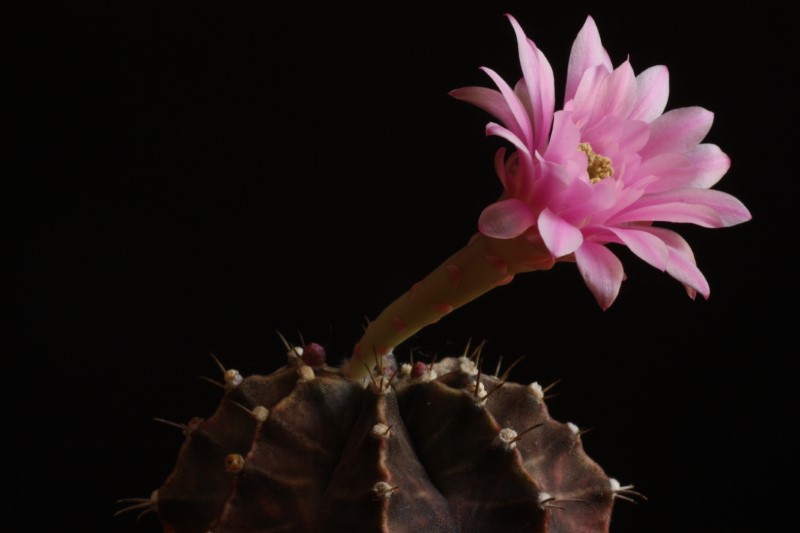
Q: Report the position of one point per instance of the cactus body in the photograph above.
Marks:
(307, 449)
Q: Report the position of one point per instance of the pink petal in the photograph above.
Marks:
(521, 119)
(701, 168)
(710, 163)
(589, 87)
(605, 134)
(670, 212)
(516, 182)
(652, 87)
(601, 270)
(489, 100)
(587, 52)
(560, 237)
(672, 170)
(648, 247)
(672, 239)
(635, 134)
(626, 166)
(500, 167)
(525, 156)
(617, 94)
(681, 264)
(550, 185)
(503, 133)
(622, 199)
(585, 200)
(548, 96)
(559, 173)
(686, 271)
(678, 130)
(564, 140)
(524, 96)
(729, 209)
(506, 219)
(539, 81)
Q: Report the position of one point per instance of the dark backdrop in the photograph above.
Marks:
(193, 179)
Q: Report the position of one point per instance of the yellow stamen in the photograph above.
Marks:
(599, 165)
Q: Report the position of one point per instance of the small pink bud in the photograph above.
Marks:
(413, 290)
(419, 369)
(313, 354)
(504, 281)
(499, 264)
(397, 324)
(455, 275)
(442, 308)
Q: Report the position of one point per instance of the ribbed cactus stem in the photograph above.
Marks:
(484, 263)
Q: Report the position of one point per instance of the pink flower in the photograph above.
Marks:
(604, 168)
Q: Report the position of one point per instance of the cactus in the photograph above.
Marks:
(444, 447)
(440, 447)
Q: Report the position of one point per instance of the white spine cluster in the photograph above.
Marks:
(381, 431)
(536, 391)
(232, 379)
(544, 498)
(506, 439)
(260, 413)
(478, 390)
(467, 366)
(383, 490)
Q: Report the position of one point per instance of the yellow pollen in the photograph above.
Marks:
(599, 165)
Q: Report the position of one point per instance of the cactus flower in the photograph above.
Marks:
(605, 167)
(599, 171)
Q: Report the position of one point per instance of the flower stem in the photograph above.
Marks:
(484, 263)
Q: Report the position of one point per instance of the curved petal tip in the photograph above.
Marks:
(506, 219)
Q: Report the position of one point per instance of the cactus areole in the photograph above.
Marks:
(444, 447)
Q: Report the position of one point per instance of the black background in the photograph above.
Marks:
(196, 178)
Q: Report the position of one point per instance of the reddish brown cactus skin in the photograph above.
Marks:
(323, 453)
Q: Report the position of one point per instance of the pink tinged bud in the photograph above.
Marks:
(455, 275)
(413, 290)
(397, 324)
(500, 265)
(442, 309)
(419, 369)
(504, 281)
(313, 354)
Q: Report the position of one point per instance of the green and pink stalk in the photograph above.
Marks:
(483, 264)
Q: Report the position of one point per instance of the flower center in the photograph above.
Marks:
(599, 165)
